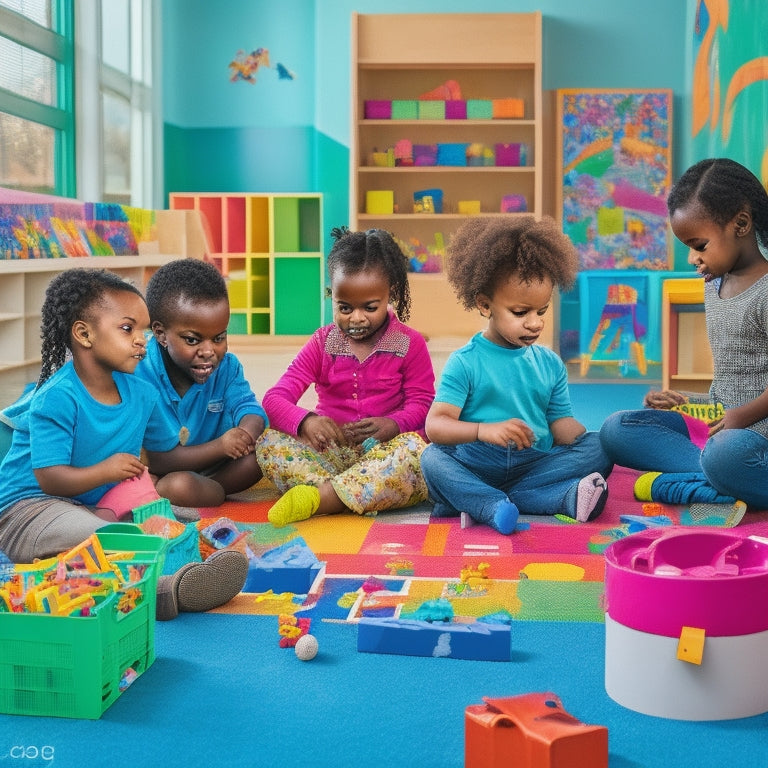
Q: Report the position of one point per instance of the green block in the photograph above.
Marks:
(431, 110)
(405, 110)
(479, 109)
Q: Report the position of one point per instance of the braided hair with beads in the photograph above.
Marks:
(373, 249)
(72, 295)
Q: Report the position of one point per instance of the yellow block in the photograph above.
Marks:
(691, 645)
(380, 201)
(469, 207)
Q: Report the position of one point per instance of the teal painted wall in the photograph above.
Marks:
(293, 135)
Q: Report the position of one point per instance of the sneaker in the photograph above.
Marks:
(198, 587)
(591, 496)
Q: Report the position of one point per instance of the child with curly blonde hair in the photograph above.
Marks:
(504, 438)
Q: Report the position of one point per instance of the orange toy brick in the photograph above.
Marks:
(531, 731)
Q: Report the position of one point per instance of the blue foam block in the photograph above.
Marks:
(406, 637)
(291, 567)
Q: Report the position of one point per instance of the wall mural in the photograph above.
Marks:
(730, 82)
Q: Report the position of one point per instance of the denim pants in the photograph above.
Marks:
(474, 477)
(734, 461)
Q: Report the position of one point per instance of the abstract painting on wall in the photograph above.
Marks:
(615, 167)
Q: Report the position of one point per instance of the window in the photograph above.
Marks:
(117, 133)
(114, 153)
(37, 134)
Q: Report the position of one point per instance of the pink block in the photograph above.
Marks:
(507, 154)
(378, 110)
(660, 580)
(456, 110)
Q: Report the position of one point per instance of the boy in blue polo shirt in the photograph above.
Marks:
(202, 386)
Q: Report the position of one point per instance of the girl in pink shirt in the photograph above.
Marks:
(359, 448)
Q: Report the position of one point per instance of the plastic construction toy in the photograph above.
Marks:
(531, 731)
(290, 567)
(684, 636)
(292, 629)
(440, 639)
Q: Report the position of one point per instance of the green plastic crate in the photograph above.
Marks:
(60, 666)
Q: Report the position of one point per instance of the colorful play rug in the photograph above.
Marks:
(394, 564)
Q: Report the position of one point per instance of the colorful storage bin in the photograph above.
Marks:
(682, 637)
(405, 109)
(74, 666)
(479, 109)
(378, 110)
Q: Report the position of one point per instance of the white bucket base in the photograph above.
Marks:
(643, 673)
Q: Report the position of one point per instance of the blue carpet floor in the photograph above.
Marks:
(222, 693)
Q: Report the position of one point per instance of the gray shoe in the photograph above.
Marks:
(198, 587)
(185, 514)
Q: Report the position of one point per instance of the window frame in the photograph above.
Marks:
(57, 44)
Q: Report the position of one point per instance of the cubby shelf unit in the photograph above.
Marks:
(401, 56)
(23, 283)
(269, 248)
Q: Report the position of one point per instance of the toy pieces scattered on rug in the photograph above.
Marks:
(291, 629)
(716, 515)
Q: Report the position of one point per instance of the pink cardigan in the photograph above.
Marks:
(396, 380)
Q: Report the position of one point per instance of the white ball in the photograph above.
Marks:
(306, 647)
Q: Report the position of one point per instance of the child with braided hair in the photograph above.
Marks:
(359, 449)
(504, 439)
(78, 434)
(719, 210)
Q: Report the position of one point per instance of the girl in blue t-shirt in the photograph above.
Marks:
(504, 439)
(77, 437)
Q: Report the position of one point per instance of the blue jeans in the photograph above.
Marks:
(474, 477)
(734, 461)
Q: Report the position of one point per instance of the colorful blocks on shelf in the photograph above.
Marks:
(406, 637)
(380, 201)
(479, 109)
(431, 110)
(378, 109)
(290, 567)
(508, 109)
(425, 154)
(405, 109)
(514, 204)
(531, 731)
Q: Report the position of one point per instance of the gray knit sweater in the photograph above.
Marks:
(738, 335)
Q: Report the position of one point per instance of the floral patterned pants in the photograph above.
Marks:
(387, 476)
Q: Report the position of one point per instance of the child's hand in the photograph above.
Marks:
(321, 432)
(663, 401)
(380, 428)
(122, 466)
(236, 443)
(505, 432)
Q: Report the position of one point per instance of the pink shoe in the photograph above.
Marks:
(124, 497)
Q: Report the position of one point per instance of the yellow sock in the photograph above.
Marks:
(643, 486)
(297, 503)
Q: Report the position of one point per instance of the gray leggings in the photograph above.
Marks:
(44, 526)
